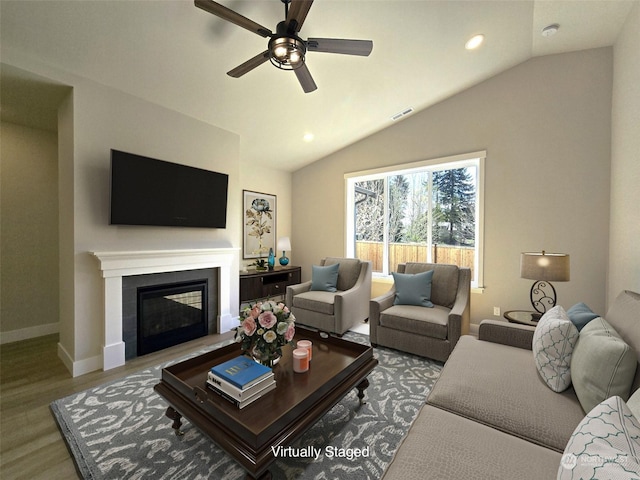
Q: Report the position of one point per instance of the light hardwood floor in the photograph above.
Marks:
(31, 377)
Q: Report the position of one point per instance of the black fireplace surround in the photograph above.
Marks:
(160, 310)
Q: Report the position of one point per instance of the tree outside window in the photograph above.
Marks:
(424, 214)
(454, 194)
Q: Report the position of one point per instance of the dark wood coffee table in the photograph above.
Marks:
(279, 417)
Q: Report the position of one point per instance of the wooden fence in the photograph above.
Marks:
(415, 252)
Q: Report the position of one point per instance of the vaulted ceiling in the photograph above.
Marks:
(171, 53)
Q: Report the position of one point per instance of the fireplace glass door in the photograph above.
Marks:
(171, 314)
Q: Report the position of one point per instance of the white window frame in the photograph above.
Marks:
(444, 163)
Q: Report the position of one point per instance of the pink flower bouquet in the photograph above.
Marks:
(264, 329)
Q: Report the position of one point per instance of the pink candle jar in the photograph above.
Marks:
(308, 345)
(300, 360)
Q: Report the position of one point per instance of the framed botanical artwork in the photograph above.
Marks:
(259, 224)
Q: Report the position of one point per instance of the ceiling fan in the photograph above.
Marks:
(286, 50)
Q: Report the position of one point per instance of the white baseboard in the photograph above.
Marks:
(30, 332)
(65, 357)
(87, 365)
(80, 367)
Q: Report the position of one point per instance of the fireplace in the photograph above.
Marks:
(119, 268)
(171, 314)
(160, 310)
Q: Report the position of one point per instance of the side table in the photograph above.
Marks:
(523, 317)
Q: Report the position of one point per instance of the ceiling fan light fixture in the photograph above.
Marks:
(287, 52)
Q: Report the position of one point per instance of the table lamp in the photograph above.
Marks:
(284, 244)
(544, 267)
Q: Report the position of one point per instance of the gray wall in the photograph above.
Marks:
(546, 127)
(104, 118)
(624, 249)
(92, 120)
(29, 226)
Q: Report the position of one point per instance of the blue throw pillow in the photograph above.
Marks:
(413, 289)
(324, 279)
(580, 315)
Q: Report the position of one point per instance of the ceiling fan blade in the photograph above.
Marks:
(233, 17)
(305, 79)
(249, 65)
(297, 13)
(337, 45)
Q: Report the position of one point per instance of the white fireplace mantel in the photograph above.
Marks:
(115, 265)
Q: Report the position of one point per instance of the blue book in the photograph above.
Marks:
(241, 372)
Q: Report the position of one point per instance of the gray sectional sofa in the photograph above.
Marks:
(491, 416)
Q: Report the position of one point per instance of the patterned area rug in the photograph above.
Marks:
(119, 431)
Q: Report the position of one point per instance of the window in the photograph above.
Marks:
(428, 211)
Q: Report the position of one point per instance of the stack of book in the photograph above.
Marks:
(241, 380)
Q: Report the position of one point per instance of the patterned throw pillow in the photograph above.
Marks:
(553, 342)
(606, 444)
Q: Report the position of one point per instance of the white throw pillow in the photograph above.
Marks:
(604, 445)
(634, 404)
(553, 342)
(602, 365)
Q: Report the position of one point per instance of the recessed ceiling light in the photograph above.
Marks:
(308, 137)
(550, 30)
(474, 42)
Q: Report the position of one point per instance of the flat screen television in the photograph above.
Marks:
(146, 191)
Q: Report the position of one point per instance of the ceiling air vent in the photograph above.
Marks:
(403, 113)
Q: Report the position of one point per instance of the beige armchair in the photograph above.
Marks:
(334, 312)
(429, 332)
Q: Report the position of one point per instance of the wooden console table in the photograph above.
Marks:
(256, 284)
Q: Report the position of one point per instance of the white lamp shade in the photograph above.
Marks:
(284, 244)
(552, 267)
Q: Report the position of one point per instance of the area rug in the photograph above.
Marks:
(119, 430)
